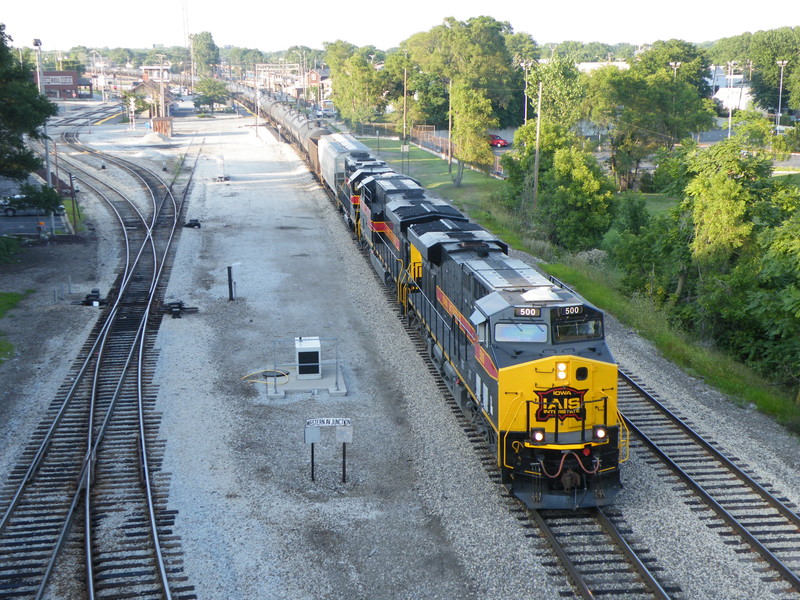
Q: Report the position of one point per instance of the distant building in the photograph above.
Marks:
(320, 78)
(588, 67)
(155, 73)
(729, 89)
(64, 84)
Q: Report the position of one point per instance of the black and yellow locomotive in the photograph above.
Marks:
(525, 358)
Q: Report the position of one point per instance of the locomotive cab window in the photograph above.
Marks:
(571, 331)
(520, 332)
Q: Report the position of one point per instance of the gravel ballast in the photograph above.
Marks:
(418, 516)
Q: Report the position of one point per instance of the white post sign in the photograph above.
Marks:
(344, 435)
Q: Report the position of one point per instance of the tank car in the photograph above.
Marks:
(525, 358)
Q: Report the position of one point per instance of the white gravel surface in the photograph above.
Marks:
(418, 516)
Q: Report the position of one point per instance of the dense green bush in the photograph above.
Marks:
(8, 247)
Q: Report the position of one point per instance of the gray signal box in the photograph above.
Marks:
(309, 358)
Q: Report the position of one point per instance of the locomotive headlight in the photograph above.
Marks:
(537, 434)
(599, 433)
(561, 370)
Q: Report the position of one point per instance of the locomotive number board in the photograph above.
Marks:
(526, 311)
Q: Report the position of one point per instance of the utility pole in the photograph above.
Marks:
(450, 123)
(731, 66)
(191, 63)
(37, 43)
(525, 65)
(781, 64)
(161, 85)
(255, 87)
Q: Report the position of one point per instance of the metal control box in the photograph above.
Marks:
(309, 358)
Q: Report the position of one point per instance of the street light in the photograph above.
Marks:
(37, 43)
(675, 65)
(525, 66)
(731, 65)
(781, 64)
(100, 79)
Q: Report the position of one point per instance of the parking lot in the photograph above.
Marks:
(31, 225)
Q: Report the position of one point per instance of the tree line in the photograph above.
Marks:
(724, 263)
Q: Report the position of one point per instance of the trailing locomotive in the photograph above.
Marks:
(525, 358)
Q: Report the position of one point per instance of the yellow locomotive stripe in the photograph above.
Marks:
(384, 227)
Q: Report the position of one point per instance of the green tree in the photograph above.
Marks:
(472, 117)
(643, 112)
(357, 88)
(735, 48)
(576, 201)
(140, 105)
(719, 212)
(205, 53)
(727, 261)
(765, 50)
(469, 55)
(42, 197)
(522, 48)
(23, 111)
(562, 92)
(210, 92)
(429, 95)
(689, 63)
(336, 53)
(752, 129)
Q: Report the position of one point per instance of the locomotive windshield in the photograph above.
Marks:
(520, 332)
(572, 331)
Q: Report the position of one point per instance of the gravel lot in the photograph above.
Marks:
(418, 516)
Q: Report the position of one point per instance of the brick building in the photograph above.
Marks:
(64, 84)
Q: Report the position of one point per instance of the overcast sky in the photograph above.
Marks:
(271, 25)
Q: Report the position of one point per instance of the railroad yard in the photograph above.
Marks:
(419, 515)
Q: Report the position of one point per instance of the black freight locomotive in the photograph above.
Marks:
(525, 358)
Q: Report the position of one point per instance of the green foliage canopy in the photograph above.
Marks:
(210, 92)
(205, 53)
(23, 111)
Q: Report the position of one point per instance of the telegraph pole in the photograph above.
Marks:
(38, 45)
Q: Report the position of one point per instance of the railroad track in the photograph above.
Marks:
(87, 116)
(747, 511)
(598, 559)
(587, 546)
(94, 461)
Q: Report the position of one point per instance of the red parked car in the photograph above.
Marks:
(497, 141)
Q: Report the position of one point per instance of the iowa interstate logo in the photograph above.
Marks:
(562, 402)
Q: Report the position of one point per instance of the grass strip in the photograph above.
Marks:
(8, 300)
(597, 284)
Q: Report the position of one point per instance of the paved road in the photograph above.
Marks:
(10, 225)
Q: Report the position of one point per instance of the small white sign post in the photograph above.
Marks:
(344, 434)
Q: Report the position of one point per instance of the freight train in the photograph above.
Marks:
(525, 357)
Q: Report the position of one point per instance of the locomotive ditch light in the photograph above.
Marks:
(561, 370)
(537, 434)
(599, 433)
